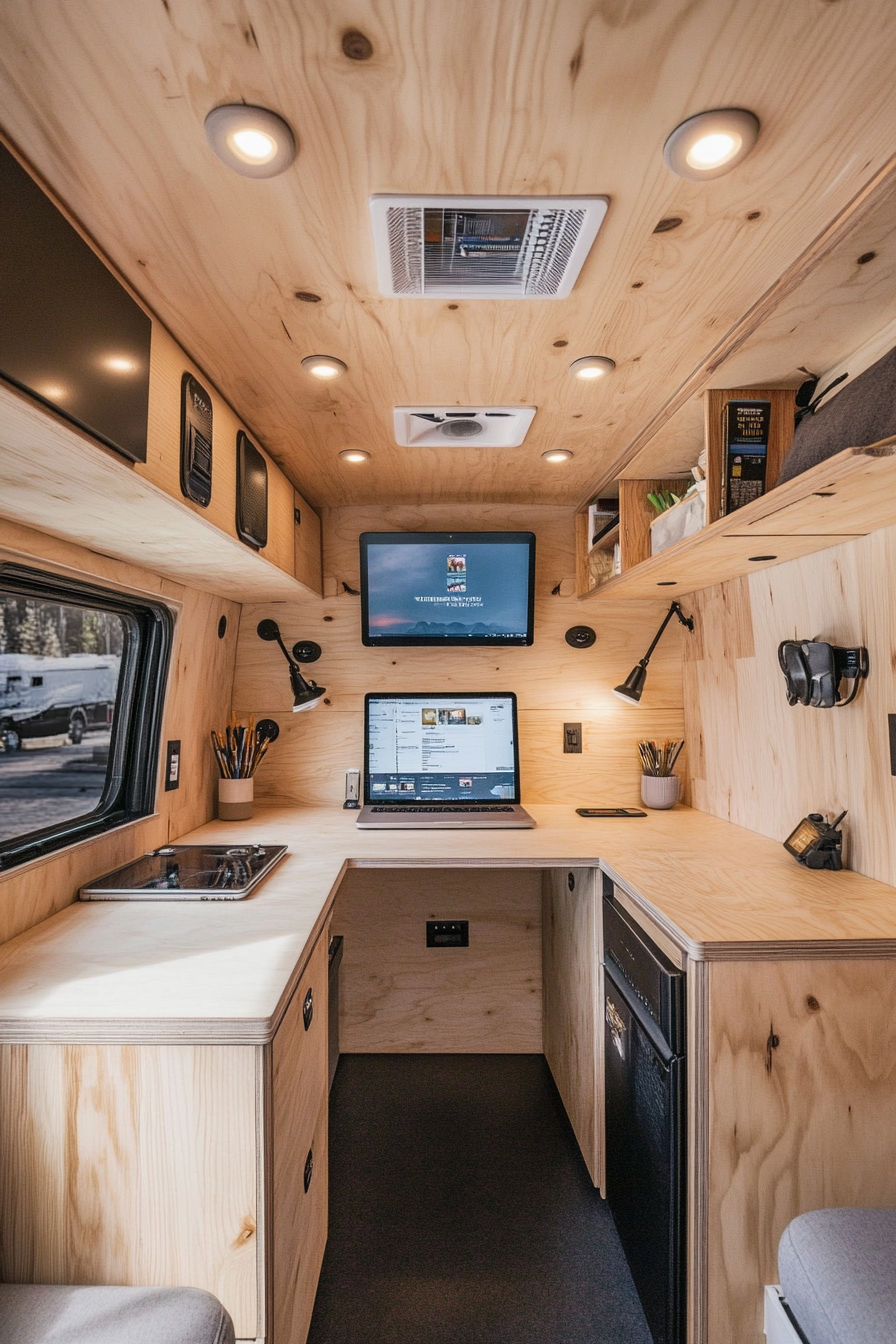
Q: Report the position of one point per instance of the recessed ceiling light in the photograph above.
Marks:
(711, 143)
(591, 366)
(557, 455)
(324, 366)
(354, 455)
(250, 140)
(119, 364)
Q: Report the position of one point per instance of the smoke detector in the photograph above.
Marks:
(448, 426)
(483, 247)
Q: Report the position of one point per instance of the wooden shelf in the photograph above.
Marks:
(846, 497)
(56, 478)
(607, 542)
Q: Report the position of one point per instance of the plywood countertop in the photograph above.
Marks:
(223, 971)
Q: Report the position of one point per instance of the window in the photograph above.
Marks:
(82, 683)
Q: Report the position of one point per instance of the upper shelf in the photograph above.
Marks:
(56, 478)
(846, 497)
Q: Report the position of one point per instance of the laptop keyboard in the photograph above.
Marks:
(464, 809)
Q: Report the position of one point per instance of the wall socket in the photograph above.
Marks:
(447, 933)
(572, 738)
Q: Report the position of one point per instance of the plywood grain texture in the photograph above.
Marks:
(762, 764)
(300, 1078)
(572, 957)
(801, 1075)
(398, 995)
(507, 98)
(553, 681)
(131, 1165)
(198, 698)
(99, 501)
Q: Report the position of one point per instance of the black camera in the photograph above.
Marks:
(817, 843)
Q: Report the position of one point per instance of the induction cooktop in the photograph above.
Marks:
(188, 873)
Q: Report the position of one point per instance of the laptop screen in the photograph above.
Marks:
(441, 748)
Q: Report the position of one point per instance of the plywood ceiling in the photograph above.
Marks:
(107, 100)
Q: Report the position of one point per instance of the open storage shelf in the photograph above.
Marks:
(846, 497)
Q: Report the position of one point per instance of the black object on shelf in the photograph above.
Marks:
(70, 333)
(747, 430)
(195, 441)
(251, 493)
(607, 527)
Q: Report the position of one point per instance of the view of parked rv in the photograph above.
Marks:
(44, 697)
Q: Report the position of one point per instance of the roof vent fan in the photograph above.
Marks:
(443, 426)
(483, 247)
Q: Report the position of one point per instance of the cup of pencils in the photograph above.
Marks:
(659, 787)
(239, 750)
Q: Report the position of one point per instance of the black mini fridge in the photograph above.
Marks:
(644, 1035)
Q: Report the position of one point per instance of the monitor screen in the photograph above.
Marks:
(441, 748)
(431, 588)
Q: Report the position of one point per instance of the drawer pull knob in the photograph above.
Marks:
(309, 1169)
(308, 1009)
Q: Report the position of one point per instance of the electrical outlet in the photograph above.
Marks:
(572, 738)
(172, 766)
(447, 933)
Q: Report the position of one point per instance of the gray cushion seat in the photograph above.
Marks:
(38, 1314)
(838, 1273)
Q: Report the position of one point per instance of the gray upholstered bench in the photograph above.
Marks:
(838, 1279)
(37, 1314)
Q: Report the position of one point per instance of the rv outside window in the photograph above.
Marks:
(82, 683)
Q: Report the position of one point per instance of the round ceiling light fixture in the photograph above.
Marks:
(324, 366)
(711, 143)
(590, 367)
(557, 455)
(251, 140)
(354, 455)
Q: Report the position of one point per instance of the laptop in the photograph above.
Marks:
(442, 760)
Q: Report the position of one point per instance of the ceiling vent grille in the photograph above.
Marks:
(450, 427)
(483, 247)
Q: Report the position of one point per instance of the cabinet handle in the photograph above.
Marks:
(309, 1169)
(308, 1009)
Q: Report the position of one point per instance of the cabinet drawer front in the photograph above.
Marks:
(299, 1112)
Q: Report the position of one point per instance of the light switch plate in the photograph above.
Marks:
(572, 738)
(172, 766)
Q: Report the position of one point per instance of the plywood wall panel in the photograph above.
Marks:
(553, 682)
(198, 698)
(398, 995)
(762, 764)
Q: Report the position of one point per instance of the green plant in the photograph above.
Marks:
(663, 500)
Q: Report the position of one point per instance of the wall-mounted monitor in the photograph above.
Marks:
(70, 333)
(447, 588)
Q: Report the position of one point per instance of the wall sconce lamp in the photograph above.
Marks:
(306, 694)
(633, 686)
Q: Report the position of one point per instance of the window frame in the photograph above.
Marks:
(131, 782)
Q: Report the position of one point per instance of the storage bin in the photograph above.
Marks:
(681, 521)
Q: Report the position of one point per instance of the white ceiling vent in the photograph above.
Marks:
(450, 427)
(483, 247)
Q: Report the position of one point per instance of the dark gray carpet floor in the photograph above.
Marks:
(461, 1211)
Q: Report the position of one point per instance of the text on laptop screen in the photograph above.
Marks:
(447, 588)
(441, 748)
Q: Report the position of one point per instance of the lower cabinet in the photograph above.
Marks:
(572, 953)
(174, 1165)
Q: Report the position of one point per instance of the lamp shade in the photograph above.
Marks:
(633, 686)
(306, 694)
